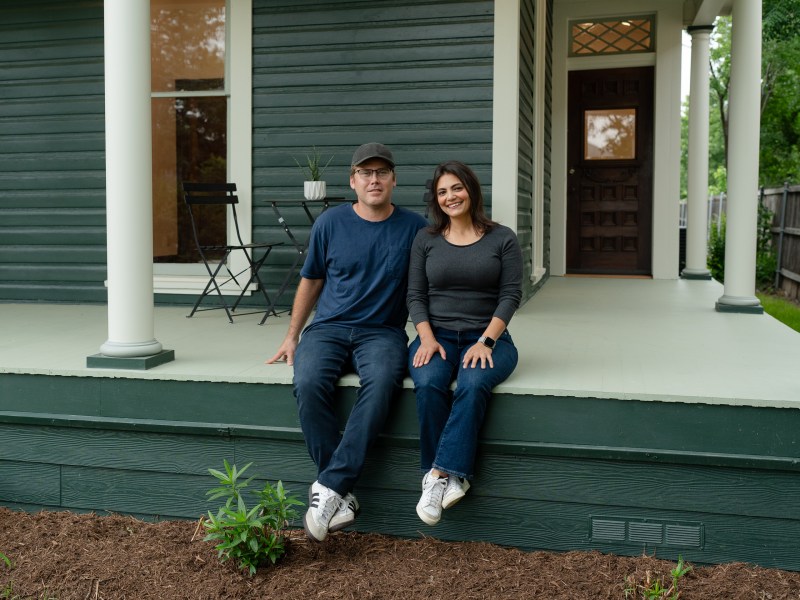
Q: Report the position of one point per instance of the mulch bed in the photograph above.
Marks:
(66, 556)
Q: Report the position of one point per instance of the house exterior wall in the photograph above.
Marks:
(52, 179)
(419, 78)
(414, 76)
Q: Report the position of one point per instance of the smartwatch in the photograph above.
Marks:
(486, 341)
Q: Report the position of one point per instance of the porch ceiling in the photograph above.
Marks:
(580, 337)
(703, 12)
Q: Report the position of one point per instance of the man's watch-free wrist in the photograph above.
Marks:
(486, 341)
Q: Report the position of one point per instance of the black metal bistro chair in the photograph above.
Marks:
(215, 255)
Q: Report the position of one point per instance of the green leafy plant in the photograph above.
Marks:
(716, 250)
(5, 559)
(766, 259)
(249, 536)
(653, 588)
(313, 169)
(766, 256)
(681, 569)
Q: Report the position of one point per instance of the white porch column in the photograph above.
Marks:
(743, 143)
(697, 216)
(129, 194)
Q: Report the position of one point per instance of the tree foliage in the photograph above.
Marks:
(780, 102)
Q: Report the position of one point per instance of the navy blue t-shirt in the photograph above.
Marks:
(364, 265)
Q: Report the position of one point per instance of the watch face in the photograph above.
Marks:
(487, 341)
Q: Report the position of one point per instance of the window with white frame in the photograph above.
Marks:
(189, 118)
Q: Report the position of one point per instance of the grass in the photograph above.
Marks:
(783, 310)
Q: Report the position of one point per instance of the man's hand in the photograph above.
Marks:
(285, 352)
(308, 292)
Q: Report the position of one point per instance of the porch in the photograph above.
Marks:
(638, 419)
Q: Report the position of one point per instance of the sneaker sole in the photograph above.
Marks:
(307, 529)
(309, 533)
(426, 518)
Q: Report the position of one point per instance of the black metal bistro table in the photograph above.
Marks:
(300, 247)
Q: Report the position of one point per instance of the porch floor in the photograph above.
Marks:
(578, 337)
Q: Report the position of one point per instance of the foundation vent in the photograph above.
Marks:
(647, 532)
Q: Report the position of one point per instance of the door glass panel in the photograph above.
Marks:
(189, 120)
(610, 134)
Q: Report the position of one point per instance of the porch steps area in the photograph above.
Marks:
(639, 419)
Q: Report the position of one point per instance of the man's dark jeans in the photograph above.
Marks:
(325, 352)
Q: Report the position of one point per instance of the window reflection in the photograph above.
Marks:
(189, 129)
(610, 134)
(190, 144)
(187, 43)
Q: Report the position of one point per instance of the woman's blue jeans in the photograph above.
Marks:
(449, 423)
(324, 354)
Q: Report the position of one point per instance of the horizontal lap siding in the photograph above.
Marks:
(416, 76)
(549, 468)
(547, 142)
(52, 178)
(527, 145)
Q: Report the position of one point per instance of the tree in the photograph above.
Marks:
(780, 105)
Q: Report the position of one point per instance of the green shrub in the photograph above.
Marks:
(249, 536)
(653, 589)
(716, 250)
(766, 259)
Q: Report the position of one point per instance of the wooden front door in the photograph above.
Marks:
(610, 171)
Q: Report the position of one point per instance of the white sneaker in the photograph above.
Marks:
(323, 503)
(429, 507)
(456, 489)
(349, 509)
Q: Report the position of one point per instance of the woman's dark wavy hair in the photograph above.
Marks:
(467, 177)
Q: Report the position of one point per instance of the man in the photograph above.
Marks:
(356, 272)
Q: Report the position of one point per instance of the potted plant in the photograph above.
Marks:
(313, 187)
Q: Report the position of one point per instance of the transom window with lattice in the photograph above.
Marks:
(612, 36)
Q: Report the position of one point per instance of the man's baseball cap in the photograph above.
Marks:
(372, 150)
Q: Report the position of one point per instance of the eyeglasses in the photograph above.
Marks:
(368, 173)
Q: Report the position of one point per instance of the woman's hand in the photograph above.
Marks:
(478, 353)
(427, 348)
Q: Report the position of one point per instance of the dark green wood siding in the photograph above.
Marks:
(529, 146)
(52, 169)
(416, 76)
(713, 483)
(547, 142)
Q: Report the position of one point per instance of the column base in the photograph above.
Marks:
(740, 304)
(696, 274)
(130, 349)
(135, 363)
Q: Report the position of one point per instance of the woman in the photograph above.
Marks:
(464, 284)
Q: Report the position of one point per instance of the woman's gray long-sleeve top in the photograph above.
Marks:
(463, 287)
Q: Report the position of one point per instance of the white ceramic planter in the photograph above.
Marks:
(314, 190)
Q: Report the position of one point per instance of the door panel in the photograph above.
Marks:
(610, 171)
